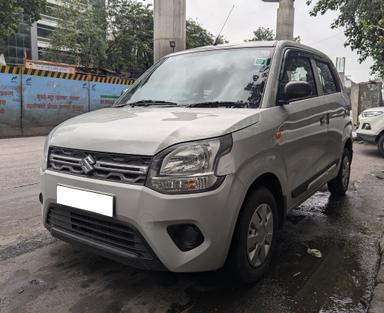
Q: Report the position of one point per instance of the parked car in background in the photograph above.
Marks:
(199, 162)
(371, 127)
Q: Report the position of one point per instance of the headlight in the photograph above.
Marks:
(372, 113)
(44, 159)
(188, 167)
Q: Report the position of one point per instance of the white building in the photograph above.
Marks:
(41, 30)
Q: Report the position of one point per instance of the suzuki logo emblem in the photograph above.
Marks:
(87, 164)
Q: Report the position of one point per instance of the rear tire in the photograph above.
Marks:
(380, 145)
(255, 237)
(339, 185)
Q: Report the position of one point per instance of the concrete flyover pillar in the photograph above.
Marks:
(285, 20)
(169, 27)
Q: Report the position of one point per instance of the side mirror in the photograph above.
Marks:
(297, 90)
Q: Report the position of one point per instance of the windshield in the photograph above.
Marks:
(222, 76)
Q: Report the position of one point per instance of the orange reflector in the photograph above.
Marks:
(278, 135)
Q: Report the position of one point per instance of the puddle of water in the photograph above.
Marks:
(345, 305)
(341, 281)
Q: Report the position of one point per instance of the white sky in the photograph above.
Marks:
(248, 15)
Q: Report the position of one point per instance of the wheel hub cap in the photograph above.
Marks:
(260, 234)
(345, 171)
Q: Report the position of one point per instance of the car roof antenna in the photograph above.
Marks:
(222, 28)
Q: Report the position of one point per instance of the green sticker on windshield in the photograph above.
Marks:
(261, 61)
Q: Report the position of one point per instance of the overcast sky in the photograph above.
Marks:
(248, 15)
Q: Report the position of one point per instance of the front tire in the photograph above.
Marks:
(380, 145)
(255, 236)
(339, 185)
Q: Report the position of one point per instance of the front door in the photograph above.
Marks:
(304, 138)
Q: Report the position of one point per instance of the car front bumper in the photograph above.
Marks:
(375, 128)
(367, 136)
(149, 214)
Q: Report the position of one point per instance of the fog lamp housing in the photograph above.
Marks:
(185, 236)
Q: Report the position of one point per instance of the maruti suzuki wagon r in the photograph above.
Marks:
(197, 164)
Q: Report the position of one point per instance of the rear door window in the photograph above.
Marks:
(327, 79)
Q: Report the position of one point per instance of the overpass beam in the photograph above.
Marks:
(285, 20)
(169, 27)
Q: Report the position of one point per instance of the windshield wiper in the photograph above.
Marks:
(146, 103)
(216, 104)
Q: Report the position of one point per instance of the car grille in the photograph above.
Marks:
(123, 168)
(103, 230)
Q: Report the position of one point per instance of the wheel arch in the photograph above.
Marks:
(348, 144)
(379, 136)
(272, 183)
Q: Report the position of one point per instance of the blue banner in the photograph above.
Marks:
(10, 109)
(104, 95)
(34, 102)
(49, 101)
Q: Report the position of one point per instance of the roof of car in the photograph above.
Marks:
(251, 44)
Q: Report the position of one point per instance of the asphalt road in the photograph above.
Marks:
(41, 274)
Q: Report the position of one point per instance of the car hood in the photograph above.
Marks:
(146, 131)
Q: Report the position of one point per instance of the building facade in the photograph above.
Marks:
(30, 41)
(41, 30)
(17, 46)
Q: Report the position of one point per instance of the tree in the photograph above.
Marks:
(265, 34)
(197, 36)
(117, 35)
(81, 34)
(363, 23)
(12, 11)
(130, 44)
(262, 33)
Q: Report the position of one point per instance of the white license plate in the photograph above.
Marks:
(85, 200)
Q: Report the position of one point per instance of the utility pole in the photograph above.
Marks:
(340, 67)
(285, 19)
(169, 27)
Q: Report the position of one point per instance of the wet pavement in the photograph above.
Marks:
(41, 274)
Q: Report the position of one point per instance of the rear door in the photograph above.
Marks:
(304, 139)
(336, 103)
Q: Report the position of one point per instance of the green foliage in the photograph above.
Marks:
(130, 37)
(297, 39)
(265, 34)
(197, 36)
(363, 23)
(262, 34)
(117, 34)
(81, 34)
(11, 12)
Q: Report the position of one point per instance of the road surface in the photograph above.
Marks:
(41, 274)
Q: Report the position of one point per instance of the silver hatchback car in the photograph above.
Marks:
(197, 164)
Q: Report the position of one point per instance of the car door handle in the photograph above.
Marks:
(324, 119)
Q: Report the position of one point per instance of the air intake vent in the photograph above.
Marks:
(103, 230)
